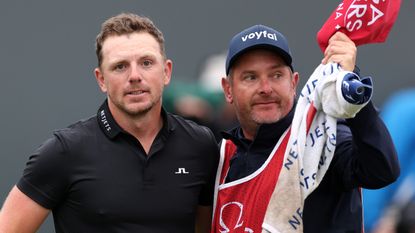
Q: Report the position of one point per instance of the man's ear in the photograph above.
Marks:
(100, 79)
(168, 68)
(295, 79)
(227, 90)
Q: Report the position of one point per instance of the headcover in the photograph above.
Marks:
(363, 21)
(258, 36)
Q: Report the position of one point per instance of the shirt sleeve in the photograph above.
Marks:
(44, 178)
(365, 155)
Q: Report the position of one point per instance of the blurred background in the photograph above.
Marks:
(47, 59)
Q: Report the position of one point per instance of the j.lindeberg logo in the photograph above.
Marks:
(181, 170)
(258, 35)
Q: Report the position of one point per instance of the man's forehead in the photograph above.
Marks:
(256, 55)
(141, 45)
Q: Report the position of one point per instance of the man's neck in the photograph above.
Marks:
(143, 127)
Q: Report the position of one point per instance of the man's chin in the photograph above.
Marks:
(266, 119)
(137, 111)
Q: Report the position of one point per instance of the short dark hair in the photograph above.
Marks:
(127, 23)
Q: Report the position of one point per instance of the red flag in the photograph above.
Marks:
(364, 21)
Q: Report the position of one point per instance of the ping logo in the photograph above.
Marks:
(258, 35)
(181, 170)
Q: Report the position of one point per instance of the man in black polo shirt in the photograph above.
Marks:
(131, 168)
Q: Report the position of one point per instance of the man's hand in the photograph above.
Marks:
(342, 50)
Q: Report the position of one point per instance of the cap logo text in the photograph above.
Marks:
(258, 35)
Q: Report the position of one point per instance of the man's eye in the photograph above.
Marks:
(277, 76)
(249, 77)
(147, 63)
(120, 67)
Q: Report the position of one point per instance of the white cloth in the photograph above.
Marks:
(309, 150)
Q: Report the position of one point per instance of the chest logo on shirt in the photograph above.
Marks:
(182, 170)
(233, 212)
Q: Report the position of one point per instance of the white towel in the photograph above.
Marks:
(311, 147)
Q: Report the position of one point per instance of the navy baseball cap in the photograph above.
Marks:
(258, 36)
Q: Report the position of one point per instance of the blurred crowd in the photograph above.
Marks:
(202, 100)
(392, 209)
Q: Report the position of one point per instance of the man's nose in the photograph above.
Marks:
(135, 74)
(265, 86)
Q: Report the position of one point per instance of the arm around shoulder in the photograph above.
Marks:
(20, 214)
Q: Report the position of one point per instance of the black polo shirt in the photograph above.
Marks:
(95, 177)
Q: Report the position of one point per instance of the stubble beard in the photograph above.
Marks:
(264, 120)
(141, 111)
(136, 111)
